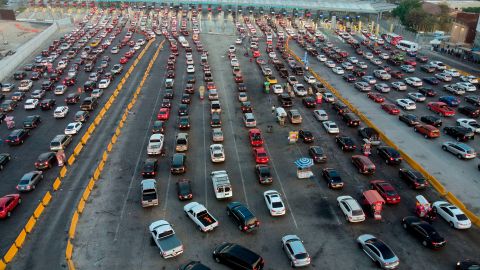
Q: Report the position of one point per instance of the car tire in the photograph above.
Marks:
(19, 201)
(426, 136)
(415, 129)
(452, 225)
(459, 156)
(216, 259)
(33, 187)
(424, 243)
(9, 214)
(444, 148)
(152, 242)
(240, 227)
(1, 167)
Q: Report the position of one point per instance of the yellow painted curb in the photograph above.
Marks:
(56, 184)
(30, 224)
(38, 211)
(12, 251)
(20, 238)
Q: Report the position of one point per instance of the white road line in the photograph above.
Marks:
(204, 159)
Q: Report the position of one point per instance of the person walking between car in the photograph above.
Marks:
(273, 109)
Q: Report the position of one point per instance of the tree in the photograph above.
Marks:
(420, 20)
(404, 8)
(444, 19)
(472, 9)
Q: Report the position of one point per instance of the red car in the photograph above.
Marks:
(211, 85)
(428, 131)
(238, 78)
(397, 74)
(255, 136)
(69, 81)
(261, 156)
(163, 114)
(8, 203)
(129, 54)
(410, 62)
(390, 108)
(378, 98)
(386, 190)
(441, 108)
(123, 60)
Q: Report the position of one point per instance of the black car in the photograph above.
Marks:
(333, 178)
(246, 107)
(461, 134)
(17, 136)
(193, 265)
(191, 78)
(317, 154)
(349, 77)
(409, 119)
(47, 104)
(309, 102)
(19, 75)
(158, 127)
(183, 122)
(32, 121)
(216, 120)
(88, 86)
(346, 143)
(166, 103)
(186, 99)
(178, 165)
(432, 120)
(427, 91)
(237, 257)
(48, 85)
(184, 190)
(285, 100)
(339, 107)
(72, 98)
(389, 154)
(306, 136)
(263, 173)
(431, 80)
(351, 119)
(243, 218)
(241, 87)
(81, 116)
(4, 159)
(46, 161)
(35, 76)
(472, 99)
(424, 232)
(470, 111)
(168, 94)
(150, 167)
(88, 67)
(413, 178)
(183, 110)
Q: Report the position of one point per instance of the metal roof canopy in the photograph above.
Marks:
(340, 6)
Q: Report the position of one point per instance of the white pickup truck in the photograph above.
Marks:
(200, 215)
(165, 238)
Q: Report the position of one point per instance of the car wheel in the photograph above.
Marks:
(346, 218)
(415, 129)
(444, 148)
(228, 213)
(1, 167)
(9, 214)
(459, 156)
(386, 161)
(424, 243)
(292, 264)
(452, 225)
(19, 201)
(33, 187)
(458, 139)
(426, 136)
(152, 242)
(404, 225)
(240, 227)
(217, 259)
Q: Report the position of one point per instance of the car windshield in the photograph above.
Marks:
(461, 217)
(301, 256)
(24, 182)
(277, 205)
(357, 213)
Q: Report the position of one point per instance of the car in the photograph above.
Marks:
(328, 97)
(438, 65)
(330, 64)
(30, 104)
(409, 119)
(163, 114)
(471, 124)
(217, 153)
(338, 70)
(472, 99)
(427, 68)
(178, 163)
(60, 90)
(8, 203)
(306, 136)
(413, 81)
(351, 209)
(416, 96)
(369, 79)
(469, 78)
(425, 232)
(444, 77)
(331, 127)
(184, 190)
(362, 65)
(390, 108)
(345, 143)
(104, 83)
(452, 215)
(459, 133)
(407, 68)
(386, 190)
(466, 86)
(235, 254)
(29, 181)
(432, 120)
(470, 111)
(73, 128)
(117, 69)
(242, 216)
(295, 251)
(263, 174)
(332, 177)
(441, 109)
(378, 251)
(399, 86)
(382, 74)
(274, 202)
(38, 94)
(7, 87)
(255, 137)
(150, 167)
(460, 150)
(46, 161)
(17, 136)
(454, 89)
(321, 58)
(309, 79)
(183, 122)
(260, 155)
(320, 115)
(428, 131)
(4, 159)
(299, 90)
(363, 86)
(406, 104)
(413, 178)
(467, 265)
(389, 155)
(450, 100)
(31, 121)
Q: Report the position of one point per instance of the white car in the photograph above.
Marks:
(330, 64)
(277, 89)
(416, 96)
(190, 69)
(231, 48)
(72, 72)
(347, 66)
(328, 97)
(155, 144)
(452, 214)
(452, 72)
(376, 61)
(352, 59)
(299, 90)
(234, 62)
(413, 81)
(351, 209)
(444, 77)
(62, 65)
(454, 88)
(292, 80)
(470, 79)
(272, 55)
(104, 83)
(331, 127)
(368, 55)
(60, 89)
(362, 65)
(320, 115)
(25, 85)
(382, 74)
(384, 56)
(274, 203)
(189, 61)
(73, 128)
(406, 104)
(96, 93)
(363, 86)
(382, 87)
(93, 77)
(309, 79)
(438, 65)
(369, 79)
(399, 86)
(238, 41)
(321, 58)
(471, 124)
(30, 104)
(60, 112)
(338, 70)
(407, 68)
(469, 87)
(242, 97)
(216, 153)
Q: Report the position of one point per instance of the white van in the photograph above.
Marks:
(408, 46)
(221, 184)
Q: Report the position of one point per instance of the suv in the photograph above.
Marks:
(60, 142)
(244, 219)
(237, 256)
(89, 104)
(461, 150)
(351, 119)
(285, 100)
(178, 163)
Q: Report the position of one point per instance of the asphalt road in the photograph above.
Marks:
(113, 230)
(25, 155)
(463, 180)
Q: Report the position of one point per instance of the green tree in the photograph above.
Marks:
(404, 8)
(472, 9)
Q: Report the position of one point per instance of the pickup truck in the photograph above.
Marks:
(200, 215)
(149, 192)
(165, 238)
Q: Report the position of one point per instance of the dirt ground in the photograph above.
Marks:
(13, 34)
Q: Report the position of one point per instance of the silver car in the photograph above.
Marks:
(378, 251)
(461, 150)
(296, 252)
(29, 181)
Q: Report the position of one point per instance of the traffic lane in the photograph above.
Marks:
(426, 152)
(360, 182)
(27, 156)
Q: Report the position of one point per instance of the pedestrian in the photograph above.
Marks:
(251, 60)
(273, 109)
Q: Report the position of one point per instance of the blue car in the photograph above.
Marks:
(451, 101)
(431, 80)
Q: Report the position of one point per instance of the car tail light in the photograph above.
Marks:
(245, 228)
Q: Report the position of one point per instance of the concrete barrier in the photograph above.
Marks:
(71, 160)
(38, 211)
(84, 140)
(86, 194)
(81, 206)
(3, 265)
(63, 171)
(73, 226)
(30, 224)
(47, 198)
(91, 128)
(69, 250)
(20, 238)
(56, 184)
(98, 119)
(11, 253)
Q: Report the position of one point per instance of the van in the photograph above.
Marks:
(89, 104)
(221, 184)
(294, 116)
(238, 256)
(215, 107)
(60, 142)
(280, 113)
(181, 142)
(249, 120)
(149, 192)
(363, 164)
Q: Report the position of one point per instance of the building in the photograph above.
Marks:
(464, 28)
